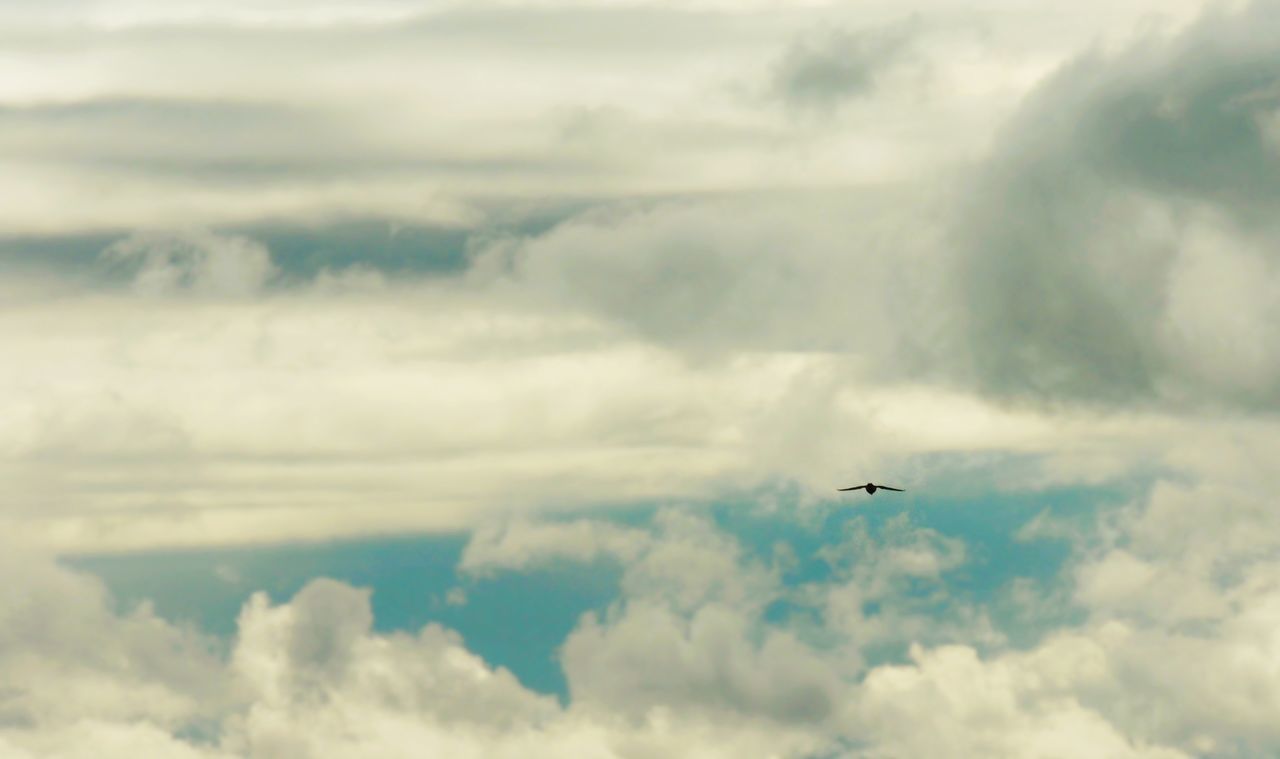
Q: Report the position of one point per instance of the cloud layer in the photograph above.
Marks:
(296, 271)
(200, 386)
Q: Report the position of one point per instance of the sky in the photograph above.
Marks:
(424, 378)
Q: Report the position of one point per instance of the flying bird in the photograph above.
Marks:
(871, 488)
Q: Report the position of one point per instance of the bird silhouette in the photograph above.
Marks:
(871, 488)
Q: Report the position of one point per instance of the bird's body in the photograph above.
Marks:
(871, 488)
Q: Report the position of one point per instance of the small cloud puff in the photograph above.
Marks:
(825, 71)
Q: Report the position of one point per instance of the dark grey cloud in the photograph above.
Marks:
(824, 71)
(1109, 239)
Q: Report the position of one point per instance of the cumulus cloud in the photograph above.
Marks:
(307, 678)
(653, 658)
(998, 709)
(890, 585)
(1177, 591)
(704, 671)
(1174, 636)
(69, 658)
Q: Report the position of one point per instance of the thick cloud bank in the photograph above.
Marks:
(1116, 246)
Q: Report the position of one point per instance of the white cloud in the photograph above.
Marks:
(649, 657)
(886, 588)
(362, 694)
(179, 420)
(319, 650)
(310, 412)
(521, 544)
(67, 658)
(1223, 302)
(681, 561)
(692, 564)
(949, 701)
(97, 739)
(202, 262)
(281, 418)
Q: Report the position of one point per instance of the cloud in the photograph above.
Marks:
(837, 273)
(520, 545)
(679, 561)
(1172, 636)
(308, 677)
(69, 658)
(155, 134)
(95, 738)
(196, 420)
(649, 658)
(1112, 234)
(192, 116)
(200, 262)
(689, 660)
(1116, 250)
(978, 708)
(319, 649)
(825, 71)
(1223, 295)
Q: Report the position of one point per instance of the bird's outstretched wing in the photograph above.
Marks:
(886, 487)
(857, 487)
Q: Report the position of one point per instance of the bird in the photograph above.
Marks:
(871, 488)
